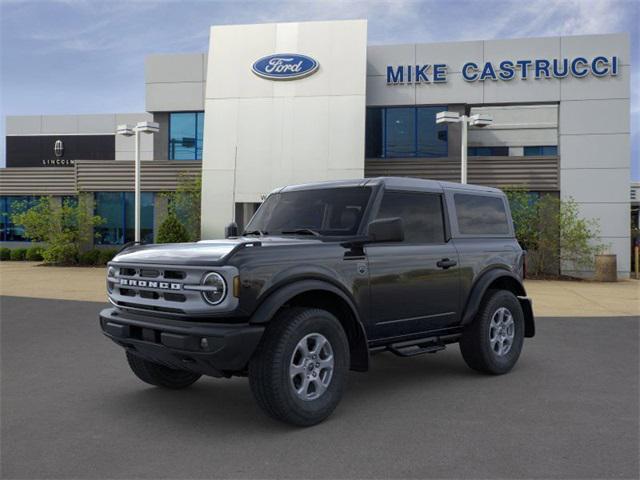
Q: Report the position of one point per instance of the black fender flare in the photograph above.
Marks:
(504, 279)
(283, 294)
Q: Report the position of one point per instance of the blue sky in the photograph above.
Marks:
(83, 56)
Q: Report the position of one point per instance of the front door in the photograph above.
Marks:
(414, 284)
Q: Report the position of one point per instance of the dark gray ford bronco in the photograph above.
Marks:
(323, 276)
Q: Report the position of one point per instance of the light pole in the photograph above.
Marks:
(477, 120)
(128, 131)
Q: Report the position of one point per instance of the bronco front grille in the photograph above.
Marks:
(162, 289)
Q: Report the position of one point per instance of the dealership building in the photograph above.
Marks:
(275, 104)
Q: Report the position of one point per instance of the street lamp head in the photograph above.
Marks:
(447, 117)
(148, 127)
(124, 129)
(480, 120)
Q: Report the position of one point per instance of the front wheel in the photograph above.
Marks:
(299, 371)
(493, 341)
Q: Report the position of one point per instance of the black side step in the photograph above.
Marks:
(416, 347)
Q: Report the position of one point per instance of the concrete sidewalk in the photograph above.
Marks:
(550, 297)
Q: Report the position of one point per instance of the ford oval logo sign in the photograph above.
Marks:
(285, 66)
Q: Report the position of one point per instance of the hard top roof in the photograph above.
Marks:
(390, 182)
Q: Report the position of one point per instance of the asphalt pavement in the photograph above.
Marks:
(72, 409)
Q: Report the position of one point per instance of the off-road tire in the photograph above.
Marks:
(475, 343)
(159, 375)
(269, 375)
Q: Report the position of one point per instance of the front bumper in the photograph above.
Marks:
(181, 345)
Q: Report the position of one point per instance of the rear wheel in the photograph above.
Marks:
(159, 375)
(493, 341)
(299, 371)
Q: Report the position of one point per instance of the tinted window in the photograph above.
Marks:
(488, 151)
(9, 206)
(481, 215)
(541, 151)
(373, 137)
(421, 215)
(405, 132)
(328, 211)
(400, 132)
(116, 208)
(432, 137)
(185, 135)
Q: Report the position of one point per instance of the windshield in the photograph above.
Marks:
(329, 211)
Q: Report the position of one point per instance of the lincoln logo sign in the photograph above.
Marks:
(285, 66)
(505, 70)
(58, 148)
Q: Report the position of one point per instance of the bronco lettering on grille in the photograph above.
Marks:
(128, 282)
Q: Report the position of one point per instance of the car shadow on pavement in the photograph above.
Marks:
(228, 403)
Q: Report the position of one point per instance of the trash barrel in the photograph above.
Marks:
(606, 268)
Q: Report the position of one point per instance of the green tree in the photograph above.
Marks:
(525, 217)
(553, 232)
(172, 231)
(184, 203)
(65, 227)
(579, 237)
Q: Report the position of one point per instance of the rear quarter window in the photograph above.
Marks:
(481, 215)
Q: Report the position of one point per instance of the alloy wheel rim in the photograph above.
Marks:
(501, 331)
(311, 367)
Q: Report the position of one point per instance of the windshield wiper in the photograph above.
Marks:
(301, 231)
(254, 232)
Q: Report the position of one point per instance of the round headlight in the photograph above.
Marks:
(111, 273)
(216, 288)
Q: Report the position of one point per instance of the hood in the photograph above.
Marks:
(205, 252)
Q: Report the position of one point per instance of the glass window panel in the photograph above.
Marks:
(108, 205)
(4, 218)
(374, 131)
(10, 232)
(537, 151)
(532, 151)
(117, 208)
(199, 134)
(182, 136)
(400, 132)
(421, 215)
(146, 217)
(432, 137)
(499, 151)
(481, 215)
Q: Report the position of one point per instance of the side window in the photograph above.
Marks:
(421, 215)
(481, 215)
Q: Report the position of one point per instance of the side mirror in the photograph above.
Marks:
(386, 230)
(231, 230)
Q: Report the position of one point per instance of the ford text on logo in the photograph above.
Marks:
(285, 66)
(150, 284)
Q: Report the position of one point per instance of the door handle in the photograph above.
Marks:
(446, 263)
